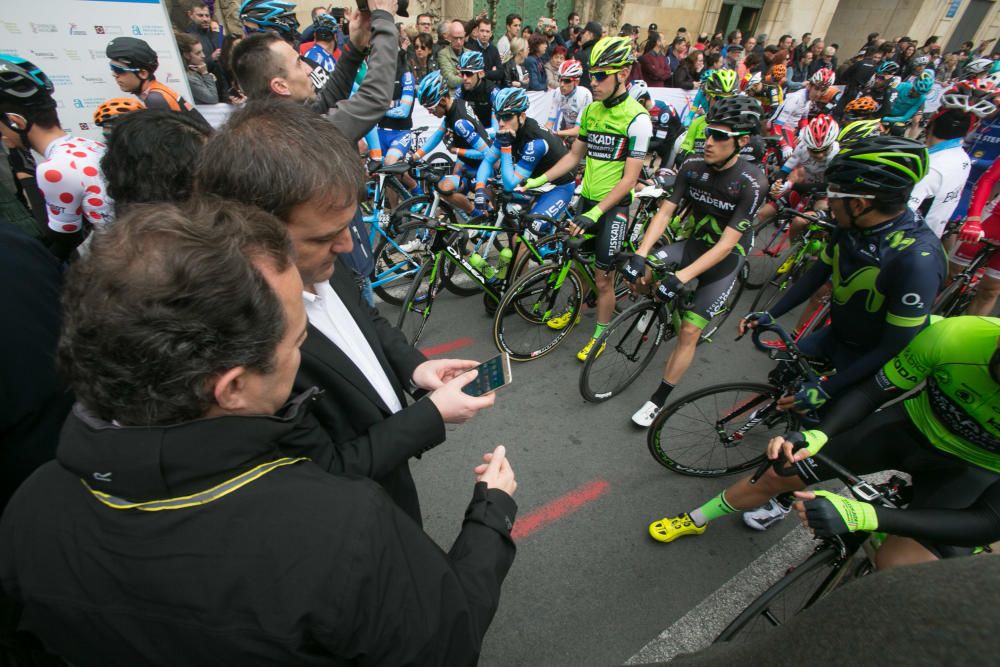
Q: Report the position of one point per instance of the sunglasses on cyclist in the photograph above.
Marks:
(599, 77)
(721, 135)
(833, 194)
(568, 80)
(506, 116)
(118, 69)
(466, 72)
(819, 151)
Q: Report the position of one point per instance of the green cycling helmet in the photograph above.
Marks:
(887, 165)
(612, 54)
(721, 83)
(858, 130)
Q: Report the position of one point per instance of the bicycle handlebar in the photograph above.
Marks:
(816, 220)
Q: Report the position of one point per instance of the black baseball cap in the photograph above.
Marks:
(653, 27)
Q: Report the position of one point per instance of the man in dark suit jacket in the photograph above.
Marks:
(294, 164)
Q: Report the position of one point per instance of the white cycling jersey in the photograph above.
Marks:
(814, 167)
(793, 109)
(938, 193)
(566, 109)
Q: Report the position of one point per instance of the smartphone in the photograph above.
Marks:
(363, 5)
(490, 376)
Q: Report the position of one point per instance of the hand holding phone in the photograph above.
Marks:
(490, 376)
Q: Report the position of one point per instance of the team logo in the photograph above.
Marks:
(136, 30)
(43, 55)
(43, 27)
(77, 102)
(84, 126)
(74, 29)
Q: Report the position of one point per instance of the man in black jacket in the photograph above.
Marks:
(292, 163)
(479, 40)
(591, 33)
(175, 527)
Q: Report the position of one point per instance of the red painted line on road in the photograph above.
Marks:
(445, 348)
(558, 508)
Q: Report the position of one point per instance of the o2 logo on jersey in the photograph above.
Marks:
(913, 300)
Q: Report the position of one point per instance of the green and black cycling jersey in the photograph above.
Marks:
(885, 279)
(613, 134)
(719, 199)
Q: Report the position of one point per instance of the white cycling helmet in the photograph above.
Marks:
(969, 98)
(820, 133)
(751, 80)
(978, 66)
(570, 69)
(920, 60)
(638, 90)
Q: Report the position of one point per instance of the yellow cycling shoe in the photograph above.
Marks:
(582, 354)
(560, 322)
(669, 529)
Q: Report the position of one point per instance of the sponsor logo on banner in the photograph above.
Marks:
(43, 27)
(60, 80)
(97, 55)
(72, 54)
(108, 30)
(92, 79)
(139, 30)
(74, 29)
(172, 78)
(43, 55)
(87, 102)
(84, 126)
(12, 27)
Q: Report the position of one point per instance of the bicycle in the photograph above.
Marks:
(775, 247)
(632, 338)
(448, 248)
(802, 253)
(832, 561)
(723, 429)
(956, 297)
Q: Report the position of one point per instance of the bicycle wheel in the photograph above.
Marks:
(520, 326)
(797, 590)
(718, 430)
(722, 311)
(764, 260)
(419, 300)
(397, 260)
(774, 287)
(953, 300)
(629, 343)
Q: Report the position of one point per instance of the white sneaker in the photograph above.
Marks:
(645, 415)
(413, 246)
(764, 517)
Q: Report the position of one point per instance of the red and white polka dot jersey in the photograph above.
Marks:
(73, 186)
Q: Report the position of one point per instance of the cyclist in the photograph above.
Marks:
(394, 137)
(946, 436)
(133, 66)
(983, 142)
(73, 194)
(666, 123)
(477, 90)
(768, 90)
(907, 109)
(882, 86)
(805, 170)
(614, 136)
(719, 85)
(799, 106)
(523, 149)
(861, 119)
(699, 105)
(724, 192)
(886, 266)
(109, 111)
(325, 35)
(466, 137)
(568, 101)
(976, 69)
(936, 195)
(275, 16)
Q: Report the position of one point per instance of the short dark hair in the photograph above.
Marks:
(784, 37)
(254, 64)
(732, 35)
(185, 44)
(536, 40)
(46, 119)
(571, 16)
(424, 40)
(277, 154)
(196, 4)
(513, 17)
(151, 157)
(950, 124)
(167, 299)
(478, 21)
(429, 16)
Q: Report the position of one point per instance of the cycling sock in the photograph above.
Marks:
(711, 510)
(599, 329)
(660, 395)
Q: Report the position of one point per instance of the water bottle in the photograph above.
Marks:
(504, 263)
(481, 265)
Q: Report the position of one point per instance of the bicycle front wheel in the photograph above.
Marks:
(417, 304)
(537, 312)
(794, 592)
(625, 349)
(718, 430)
(772, 252)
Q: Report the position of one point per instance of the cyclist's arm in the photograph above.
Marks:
(374, 144)
(640, 131)
(486, 167)
(531, 155)
(478, 146)
(909, 298)
(405, 106)
(432, 141)
(983, 190)
(569, 162)
(974, 526)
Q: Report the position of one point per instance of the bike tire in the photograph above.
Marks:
(953, 300)
(674, 442)
(419, 300)
(396, 268)
(519, 326)
(799, 589)
(771, 255)
(772, 289)
(630, 341)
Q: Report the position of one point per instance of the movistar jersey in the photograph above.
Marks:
(613, 135)
(888, 274)
(959, 409)
(719, 199)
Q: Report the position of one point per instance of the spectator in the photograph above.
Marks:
(804, 45)
(733, 38)
(233, 94)
(482, 33)
(687, 76)
(202, 82)
(828, 60)
(511, 32)
(676, 53)
(422, 63)
(800, 72)
(443, 31)
(655, 68)
(515, 75)
(872, 41)
(759, 44)
(533, 63)
(552, 67)
(133, 66)
(447, 58)
(591, 33)
(572, 22)
(817, 49)
(713, 60)
(786, 42)
(550, 30)
(857, 75)
(526, 33)
(200, 27)
(425, 24)
(181, 340)
(750, 45)
(754, 63)
(167, 145)
(946, 70)
(702, 42)
(734, 60)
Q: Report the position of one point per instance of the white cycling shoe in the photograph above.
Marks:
(645, 415)
(766, 516)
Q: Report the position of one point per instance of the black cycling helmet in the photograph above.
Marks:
(133, 52)
(270, 15)
(325, 26)
(740, 113)
(884, 164)
(24, 86)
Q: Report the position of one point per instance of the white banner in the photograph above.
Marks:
(67, 38)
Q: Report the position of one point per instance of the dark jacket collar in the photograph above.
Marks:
(150, 463)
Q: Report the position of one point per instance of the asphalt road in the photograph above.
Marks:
(589, 587)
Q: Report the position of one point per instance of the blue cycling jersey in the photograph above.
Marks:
(321, 57)
(905, 105)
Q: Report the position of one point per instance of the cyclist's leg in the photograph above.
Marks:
(552, 204)
(453, 188)
(610, 231)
